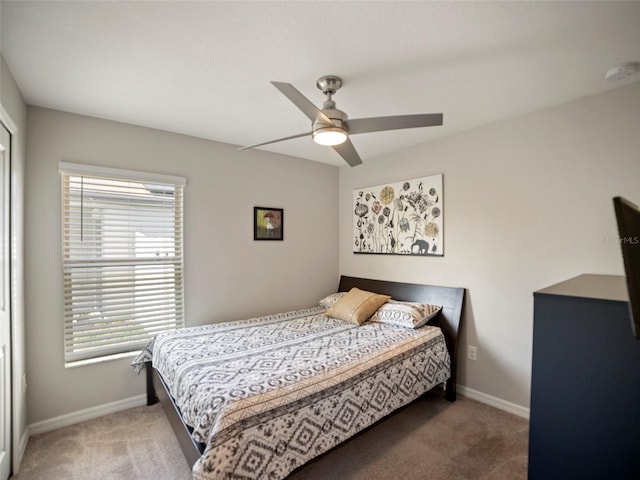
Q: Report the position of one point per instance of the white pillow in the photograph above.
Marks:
(405, 314)
(330, 300)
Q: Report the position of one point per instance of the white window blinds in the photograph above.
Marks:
(122, 259)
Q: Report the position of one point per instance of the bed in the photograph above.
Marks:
(311, 382)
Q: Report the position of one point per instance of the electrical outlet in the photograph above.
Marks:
(472, 352)
(24, 384)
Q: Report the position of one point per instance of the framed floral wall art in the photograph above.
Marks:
(268, 223)
(403, 218)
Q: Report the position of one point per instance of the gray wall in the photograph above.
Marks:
(527, 204)
(227, 275)
(15, 108)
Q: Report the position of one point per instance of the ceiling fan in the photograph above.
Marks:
(332, 127)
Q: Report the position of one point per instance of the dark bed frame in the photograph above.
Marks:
(448, 320)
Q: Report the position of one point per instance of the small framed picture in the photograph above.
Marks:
(268, 223)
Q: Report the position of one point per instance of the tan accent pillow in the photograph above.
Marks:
(357, 306)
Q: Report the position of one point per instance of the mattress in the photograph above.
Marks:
(266, 395)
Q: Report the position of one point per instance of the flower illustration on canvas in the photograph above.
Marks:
(403, 218)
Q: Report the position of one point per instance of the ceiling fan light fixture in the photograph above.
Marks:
(329, 136)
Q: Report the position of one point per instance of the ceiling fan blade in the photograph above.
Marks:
(347, 151)
(378, 124)
(278, 140)
(300, 101)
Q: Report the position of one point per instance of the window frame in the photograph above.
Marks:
(152, 298)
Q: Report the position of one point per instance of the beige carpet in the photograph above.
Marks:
(130, 445)
(430, 439)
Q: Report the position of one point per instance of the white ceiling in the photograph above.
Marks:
(203, 68)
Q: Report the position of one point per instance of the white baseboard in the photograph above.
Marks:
(494, 401)
(86, 414)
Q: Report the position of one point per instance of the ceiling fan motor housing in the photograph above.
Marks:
(330, 84)
(338, 117)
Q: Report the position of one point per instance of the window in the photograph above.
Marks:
(122, 259)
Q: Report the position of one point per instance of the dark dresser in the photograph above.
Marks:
(585, 383)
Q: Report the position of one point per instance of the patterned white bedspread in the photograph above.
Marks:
(268, 394)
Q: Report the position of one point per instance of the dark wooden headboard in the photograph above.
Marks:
(449, 319)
